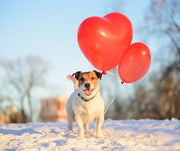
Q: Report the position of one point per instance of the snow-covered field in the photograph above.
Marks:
(130, 135)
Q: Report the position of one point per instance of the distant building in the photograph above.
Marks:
(54, 109)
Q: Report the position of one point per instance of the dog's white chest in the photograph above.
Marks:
(88, 111)
(86, 114)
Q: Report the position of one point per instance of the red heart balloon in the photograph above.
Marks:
(134, 63)
(103, 40)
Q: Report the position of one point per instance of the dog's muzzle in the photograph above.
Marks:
(88, 91)
(87, 85)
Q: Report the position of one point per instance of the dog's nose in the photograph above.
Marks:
(87, 85)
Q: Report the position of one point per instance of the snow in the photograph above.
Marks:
(121, 135)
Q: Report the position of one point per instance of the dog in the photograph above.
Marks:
(85, 104)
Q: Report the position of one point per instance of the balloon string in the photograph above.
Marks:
(109, 105)
(107, 72)
(111, 73)
(113, 99)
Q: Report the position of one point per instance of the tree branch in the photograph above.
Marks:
(174, 42)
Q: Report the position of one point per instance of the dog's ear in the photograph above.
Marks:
(77, 74)
(98, 74)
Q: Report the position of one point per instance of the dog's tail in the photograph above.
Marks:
(75, 81)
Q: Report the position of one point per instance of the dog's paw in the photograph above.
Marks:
(99, 136)
(80, 137)
(71, 132)
(89, 133)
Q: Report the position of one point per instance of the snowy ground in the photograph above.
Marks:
(130, 135)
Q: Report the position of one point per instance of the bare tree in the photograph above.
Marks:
(21, 77)
(162, 23)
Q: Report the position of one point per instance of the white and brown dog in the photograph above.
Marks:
(85, 104)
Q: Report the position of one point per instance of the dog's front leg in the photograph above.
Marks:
(80, 126)
(70, 123)
(99, 123)
(87, 131)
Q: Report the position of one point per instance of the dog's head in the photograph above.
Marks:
(88, 82)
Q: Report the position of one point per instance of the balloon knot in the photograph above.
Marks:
(122, 82)
(104, 73)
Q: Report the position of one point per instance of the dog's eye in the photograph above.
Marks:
(92, 78)
(82, 79)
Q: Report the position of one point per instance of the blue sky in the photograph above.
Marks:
(49, 29)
